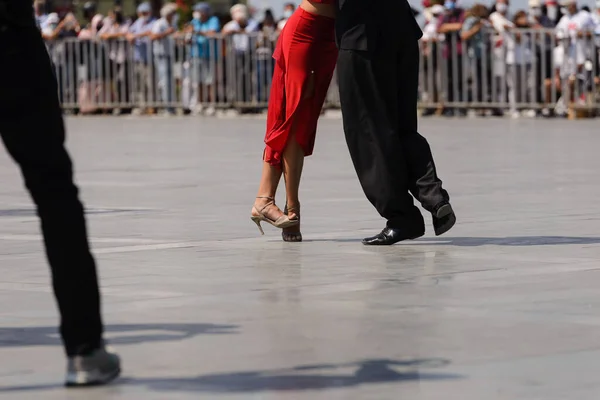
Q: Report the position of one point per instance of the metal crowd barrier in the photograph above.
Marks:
(519, 70)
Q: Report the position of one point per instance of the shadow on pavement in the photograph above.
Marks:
(300, 378)
(510, 241)
(116, 334)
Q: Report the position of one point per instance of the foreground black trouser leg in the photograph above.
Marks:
(367, 93)
(32, 129)
(424, 182)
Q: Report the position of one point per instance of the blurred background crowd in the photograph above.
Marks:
(541, 59)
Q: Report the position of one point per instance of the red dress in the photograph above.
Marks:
(305, 47)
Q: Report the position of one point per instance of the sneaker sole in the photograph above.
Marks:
(443, 212)
(82, 381)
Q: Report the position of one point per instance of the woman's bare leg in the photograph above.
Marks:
(293, 163)
(269, 181)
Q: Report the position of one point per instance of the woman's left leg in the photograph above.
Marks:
(293, 160)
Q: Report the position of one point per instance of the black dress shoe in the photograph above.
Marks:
(389, 236)
(443, 218)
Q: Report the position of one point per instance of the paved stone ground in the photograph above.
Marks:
(200, 306)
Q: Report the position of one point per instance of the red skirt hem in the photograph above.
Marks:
(305, 50)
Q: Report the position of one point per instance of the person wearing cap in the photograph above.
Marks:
(378, 78)
(240, 25)
(33, 132)
(537, 15)
(204, 27)
(139, 34)
(164, 54)
(240, 29)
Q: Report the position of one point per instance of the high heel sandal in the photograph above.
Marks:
(281, 222)
(293, 237)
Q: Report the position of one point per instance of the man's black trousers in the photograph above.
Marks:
(378, 91)
(32, 130)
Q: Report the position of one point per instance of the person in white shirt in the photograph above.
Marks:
(574, 30)
(570, 54)
(240, 31)
(519, 59)
(239, 27)
(163, 49)
(501, 23)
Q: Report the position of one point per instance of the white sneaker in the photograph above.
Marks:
(98, 368)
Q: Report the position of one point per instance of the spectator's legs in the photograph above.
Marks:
(455, 78)
(170, 84)
(512, 83)
(188, 85)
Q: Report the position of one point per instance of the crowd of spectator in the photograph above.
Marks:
(122, 56)
(541, 55)
(482, 57)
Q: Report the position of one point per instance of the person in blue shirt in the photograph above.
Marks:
(201, 72)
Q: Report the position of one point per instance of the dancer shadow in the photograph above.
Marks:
(135, 333)
(310, 377)
(484, 241)
(31, 212)
(510, 241)
(300, 378)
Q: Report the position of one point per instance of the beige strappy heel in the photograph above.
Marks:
(259, 216)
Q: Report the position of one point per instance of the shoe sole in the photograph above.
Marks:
(445, 211)
(74, 382)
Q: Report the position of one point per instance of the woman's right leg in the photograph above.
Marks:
(269, 181)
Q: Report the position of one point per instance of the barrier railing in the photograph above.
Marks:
(532, 70)
(523, 69)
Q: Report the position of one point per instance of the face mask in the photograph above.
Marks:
(450, 5)
(287, 13)
(536, 12)
(552, 13)
(501, 8)
(197, 15)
